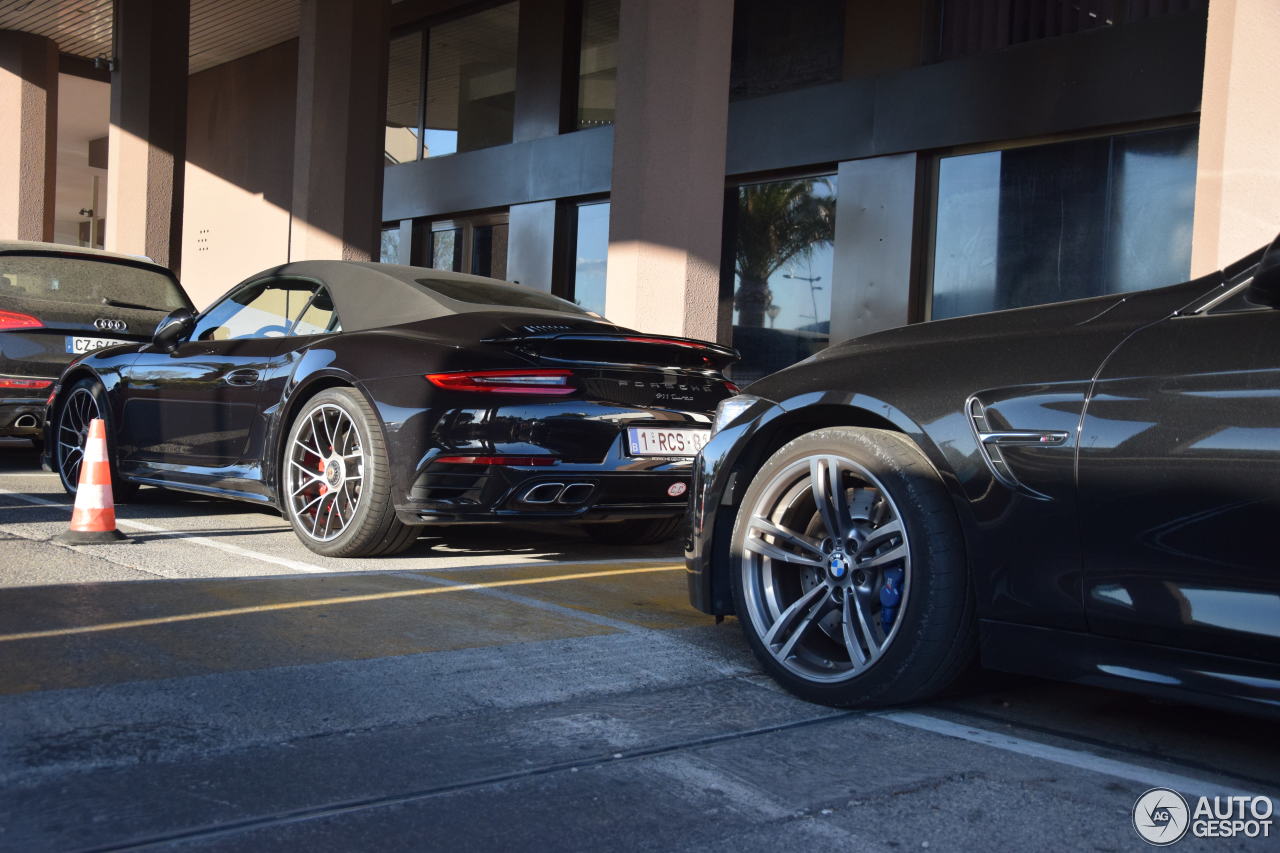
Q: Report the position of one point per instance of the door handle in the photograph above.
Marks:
(244, 377)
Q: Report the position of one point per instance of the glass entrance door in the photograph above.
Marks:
(473, 244)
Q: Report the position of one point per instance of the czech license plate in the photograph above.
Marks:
(79, 346)
(656, 441)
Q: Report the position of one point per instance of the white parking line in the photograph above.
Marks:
(129, 524)
(311, 568)
(1073, 758)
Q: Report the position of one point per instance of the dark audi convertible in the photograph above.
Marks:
(364, 400)
(1087, 491)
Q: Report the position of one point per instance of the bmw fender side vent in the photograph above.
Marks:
(991, 441)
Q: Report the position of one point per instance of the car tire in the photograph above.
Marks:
(335, 479)
(882, 612)
(636, 531)
(83, 401)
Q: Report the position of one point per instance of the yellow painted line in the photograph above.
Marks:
(322, 602)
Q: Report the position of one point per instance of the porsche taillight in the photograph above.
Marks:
(10, 320)
(541, 382)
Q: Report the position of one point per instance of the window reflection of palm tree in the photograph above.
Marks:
(777, 221)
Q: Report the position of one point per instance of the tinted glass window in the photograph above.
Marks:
(489, 250)
(598, 63)
(263, 310)
(1064, 221)
(404, 98)
(389, 251)
(446, 249)
(507, 295)
(975, 26)
(778, 47)
(782, 273)
(471, 81)
(85, 282)
(592, 261)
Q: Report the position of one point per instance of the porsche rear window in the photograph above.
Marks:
(505, 295)
(87, 281)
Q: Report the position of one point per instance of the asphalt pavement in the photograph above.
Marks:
(211, 684)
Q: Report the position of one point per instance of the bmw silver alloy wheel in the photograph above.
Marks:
(77, 412)
(325, 475)
(826, 568)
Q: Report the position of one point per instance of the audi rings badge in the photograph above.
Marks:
(110, 324)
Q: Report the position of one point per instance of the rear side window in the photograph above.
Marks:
(505, 295)
(84, 281)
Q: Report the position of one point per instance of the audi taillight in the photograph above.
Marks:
(24, 384)
(10, 320)
(542, 382)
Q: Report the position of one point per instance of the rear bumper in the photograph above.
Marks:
(500, 493)
(22, 414)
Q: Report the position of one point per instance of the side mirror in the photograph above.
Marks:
(1265, 288)
(171, 329)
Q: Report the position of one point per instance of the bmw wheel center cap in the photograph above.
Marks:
(838, 565)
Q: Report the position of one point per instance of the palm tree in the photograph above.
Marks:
(777, 221)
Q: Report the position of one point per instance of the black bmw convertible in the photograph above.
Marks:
(1087, 491)
(366, 400)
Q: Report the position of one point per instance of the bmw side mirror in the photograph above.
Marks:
(1265, 289)
(171, 329)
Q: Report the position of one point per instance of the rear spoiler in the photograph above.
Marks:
(622, 348)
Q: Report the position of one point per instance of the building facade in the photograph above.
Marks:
(775, 175)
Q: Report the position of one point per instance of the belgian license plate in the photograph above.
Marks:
(656, 441)
(79, 346)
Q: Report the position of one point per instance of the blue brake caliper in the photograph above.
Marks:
(890, 597)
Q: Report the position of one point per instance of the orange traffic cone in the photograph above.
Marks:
(94, 518)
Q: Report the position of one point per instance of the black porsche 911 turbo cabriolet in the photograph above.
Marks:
(1086, 491)
(365, 400)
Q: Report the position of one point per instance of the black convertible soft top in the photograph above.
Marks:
(372, 296)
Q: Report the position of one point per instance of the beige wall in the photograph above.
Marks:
(1238, 178)
(239, 174)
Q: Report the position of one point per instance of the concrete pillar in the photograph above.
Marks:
(28, 135)
(668, 166)
(147, 147)
(338, 132)
(1238, 171)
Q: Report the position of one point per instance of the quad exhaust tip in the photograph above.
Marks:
(568, 494)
